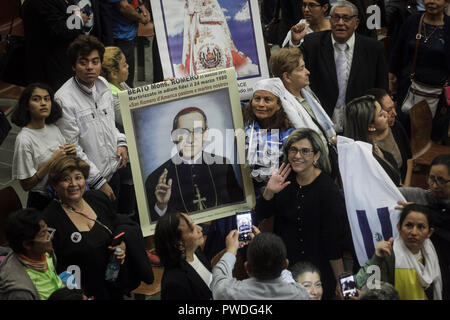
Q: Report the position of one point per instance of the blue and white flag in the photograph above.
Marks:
(370, 197)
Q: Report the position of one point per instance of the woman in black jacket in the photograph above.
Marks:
(308, 209)
(86, 224)
(187, 272)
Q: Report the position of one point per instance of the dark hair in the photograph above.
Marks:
(266, 256)
(83, 45)
(21, 115)
(418, 208)
(442, 159)
(168, 240)
(186, 111)
(386, 292)
(67, 294)
(359, 114)
(303, 266)
(378, 93)
(323, 163)
(22, 226)
(278, 121)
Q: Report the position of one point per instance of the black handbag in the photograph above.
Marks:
(5, 127)
(12, 60)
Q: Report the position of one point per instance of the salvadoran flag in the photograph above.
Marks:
(370, 197)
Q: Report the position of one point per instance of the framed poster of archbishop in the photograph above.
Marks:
(187, 148)
(195, 36)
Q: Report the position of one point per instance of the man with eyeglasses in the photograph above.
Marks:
(192, 180)
(28, 271)
(343, 65)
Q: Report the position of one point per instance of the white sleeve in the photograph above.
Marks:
(223, 285)
(23, 164)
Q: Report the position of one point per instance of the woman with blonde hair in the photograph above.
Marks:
(115, 70)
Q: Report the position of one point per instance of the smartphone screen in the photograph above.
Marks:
(348, 286)
(244, 224)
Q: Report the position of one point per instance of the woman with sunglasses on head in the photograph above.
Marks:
(437, 198)
(307, 207)
(366, 121)
(28, 271)
(38, 143)
(87, 223)
(315, 13)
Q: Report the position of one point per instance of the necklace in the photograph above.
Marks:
(425, 32)
(84, 215)
(181, 193)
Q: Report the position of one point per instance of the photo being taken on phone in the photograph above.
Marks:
(348, 285)
(244, 225)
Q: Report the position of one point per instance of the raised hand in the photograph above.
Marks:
(69, 148)
(298, 32)
(277, 181)
(163, 191)
(384, 248)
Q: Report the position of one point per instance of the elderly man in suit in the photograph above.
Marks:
(343, 64)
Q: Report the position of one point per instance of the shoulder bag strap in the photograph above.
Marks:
(418, 37)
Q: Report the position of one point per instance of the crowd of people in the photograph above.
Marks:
(329, 78)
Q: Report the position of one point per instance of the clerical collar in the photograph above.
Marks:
(197, 159)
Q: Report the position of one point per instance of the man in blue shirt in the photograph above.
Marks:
(126, 15)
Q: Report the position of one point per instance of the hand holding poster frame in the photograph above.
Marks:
(187, 148)
(195, 36)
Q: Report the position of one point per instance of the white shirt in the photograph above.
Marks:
(89, 123)
(338, 116)
(349, 52)
(32, 149)
(202, 271)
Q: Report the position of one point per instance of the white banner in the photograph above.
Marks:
(370, 197)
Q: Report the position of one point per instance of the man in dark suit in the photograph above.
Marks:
(192, 180)
(343, 65)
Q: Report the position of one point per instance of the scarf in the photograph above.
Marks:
(264, 148)
(321, 116)
(298, 116)
(38, 265)
(408, 270)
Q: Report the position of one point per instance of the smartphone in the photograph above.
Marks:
(244, 224)
(117, 239)
(348, 285)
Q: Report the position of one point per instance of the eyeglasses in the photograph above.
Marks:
(306, 152)
(437, 180)
(51, 232)
(335, 18)
(184, 132)
(310, 5)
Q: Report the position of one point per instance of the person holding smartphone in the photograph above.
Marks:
(266, 266)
